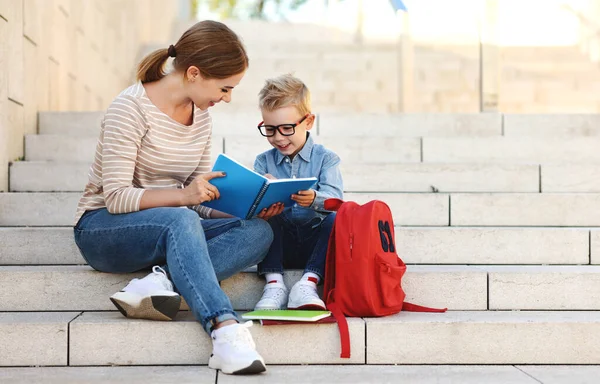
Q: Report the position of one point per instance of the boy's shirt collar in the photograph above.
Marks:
(304, 153)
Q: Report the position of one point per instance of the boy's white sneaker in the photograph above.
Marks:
(304, 295)
(275, 296)
(150, 298)
(234, 351)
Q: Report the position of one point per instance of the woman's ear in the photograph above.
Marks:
(193, 74)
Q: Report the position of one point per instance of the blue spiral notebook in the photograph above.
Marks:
(244, 193)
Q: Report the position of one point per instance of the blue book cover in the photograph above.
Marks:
(244, 193)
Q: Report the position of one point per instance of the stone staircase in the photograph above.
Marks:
(496, 216)
(345, 76)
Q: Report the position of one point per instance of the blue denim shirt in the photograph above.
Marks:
(313, 160)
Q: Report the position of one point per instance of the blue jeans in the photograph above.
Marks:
(300, 241)
(198, 253)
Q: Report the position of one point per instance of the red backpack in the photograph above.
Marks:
(363, 272)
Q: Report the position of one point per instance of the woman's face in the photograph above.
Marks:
(205, 93)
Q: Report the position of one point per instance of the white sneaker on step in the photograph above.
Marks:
(304, 295)
(234, 351)
(150, 298)
(275, 296)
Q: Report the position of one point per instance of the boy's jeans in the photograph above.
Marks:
(300, 241)
(198, 253)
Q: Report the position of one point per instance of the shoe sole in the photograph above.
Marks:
(256, 366)
(163, 308)
(309, 307)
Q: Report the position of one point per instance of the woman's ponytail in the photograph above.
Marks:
(152, 67)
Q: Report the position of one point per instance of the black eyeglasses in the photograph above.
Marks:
(283, 129)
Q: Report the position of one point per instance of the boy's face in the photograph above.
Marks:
(287, 145)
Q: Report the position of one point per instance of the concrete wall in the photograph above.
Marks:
(75, 55)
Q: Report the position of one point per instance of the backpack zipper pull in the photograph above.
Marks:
(351, 240)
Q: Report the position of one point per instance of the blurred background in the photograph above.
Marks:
(380, 56)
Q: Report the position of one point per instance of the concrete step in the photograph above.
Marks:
(550, 124)
(416, 245)
(421, 374)
(350, 149)
(111, 375)
(362, 124)
(60, 148)
(485, 337)
(450, 245)
(543, 287)
(38, 209)
(423, 177)
(302, 374)
(328, 124)
(70, 123)
(71, 148)
(244, 149)
(58, 209)
(408, 209)
(544, 209)
(50, 176)
(570, 178)
(62, 176)
(80, 288)
(38, 246)
(70, 288)
(28, 339)
(511, 150)
(107, 338)
(476, 337)
(410, 125)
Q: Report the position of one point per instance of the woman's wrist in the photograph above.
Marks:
(183, 198)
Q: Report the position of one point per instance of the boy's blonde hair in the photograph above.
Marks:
(284, 91)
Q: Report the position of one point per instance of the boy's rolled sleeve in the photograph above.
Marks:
(260, 164)
(330, 182)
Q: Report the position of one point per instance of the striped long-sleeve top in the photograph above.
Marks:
(142, 148)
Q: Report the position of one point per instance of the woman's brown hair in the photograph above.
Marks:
(209, 45)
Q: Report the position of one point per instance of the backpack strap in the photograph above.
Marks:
(418, 308)
(342, 325)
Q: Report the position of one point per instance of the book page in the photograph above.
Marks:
(238, 189)
(281, 190)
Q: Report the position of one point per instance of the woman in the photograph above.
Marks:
(141, 206)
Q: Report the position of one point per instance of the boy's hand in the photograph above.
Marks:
(273, 210)
(305, 198)
(269, 176)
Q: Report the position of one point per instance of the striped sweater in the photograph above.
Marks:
(142, 148)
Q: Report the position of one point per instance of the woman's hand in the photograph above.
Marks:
(273, 210)
(305, 198)
(201, 190)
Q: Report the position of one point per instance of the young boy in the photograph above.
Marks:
(302, 231)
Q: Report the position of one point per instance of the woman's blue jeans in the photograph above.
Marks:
(198, 253)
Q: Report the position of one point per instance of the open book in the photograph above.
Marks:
(244, 193)
(286, 315)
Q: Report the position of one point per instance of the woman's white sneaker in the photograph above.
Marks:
(151, 298)
(234, 351)
(275, 296)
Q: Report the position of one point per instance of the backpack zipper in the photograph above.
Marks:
(351, 244)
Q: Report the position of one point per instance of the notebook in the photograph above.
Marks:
(244, 193)
(286, 315)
